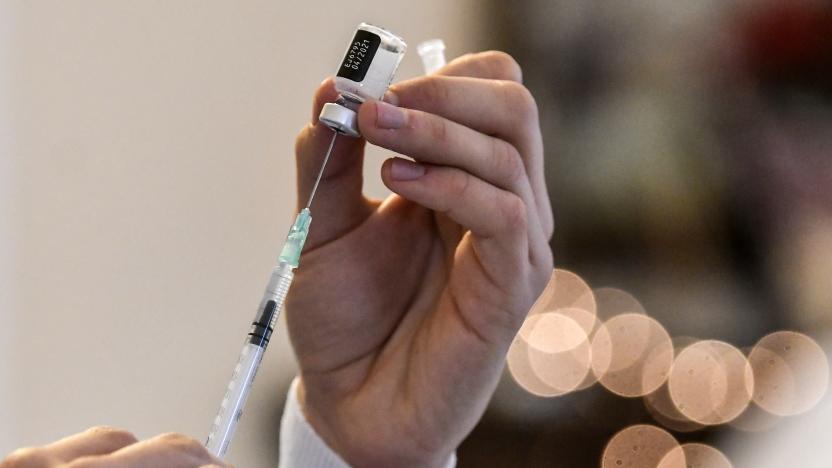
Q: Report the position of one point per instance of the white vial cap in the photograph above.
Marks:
(432, 53)
(340, 118)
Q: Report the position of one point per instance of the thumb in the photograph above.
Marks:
(339, 204)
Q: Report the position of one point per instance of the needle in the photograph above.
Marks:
(321, 173)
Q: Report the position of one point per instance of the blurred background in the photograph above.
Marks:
(147, 181)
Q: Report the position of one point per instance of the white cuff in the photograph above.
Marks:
(301, 446)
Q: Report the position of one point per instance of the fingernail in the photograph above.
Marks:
(391, 97)
(389, 116)
(402, 169)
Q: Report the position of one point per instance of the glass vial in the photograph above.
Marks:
(365, 73)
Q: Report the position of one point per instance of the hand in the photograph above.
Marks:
(105, 447)
(402, 310)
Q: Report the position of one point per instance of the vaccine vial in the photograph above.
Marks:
(365, 73)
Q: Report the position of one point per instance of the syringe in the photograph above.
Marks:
(365, 73)
(262, 327)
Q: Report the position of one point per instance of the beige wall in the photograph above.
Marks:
(148, 179)
(6, 247)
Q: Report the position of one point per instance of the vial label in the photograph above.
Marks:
(359, 55)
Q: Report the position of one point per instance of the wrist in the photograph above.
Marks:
(316, 420)
(362, 440)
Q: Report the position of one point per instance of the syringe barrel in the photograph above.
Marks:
(238, 389)
(235, 398)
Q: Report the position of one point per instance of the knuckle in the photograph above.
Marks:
(509, 162)
(435, 89)
(113, 434)
(465, 57)
(542, 273)
(546, 264)
(325, 91)
(171, 439)
(29, 457)
(438, 129)
(504, 65)
(183, 444)
(520, 100)
(549, 226)
(192, 447)
(513, 211)
(303, 139)
(460, 184)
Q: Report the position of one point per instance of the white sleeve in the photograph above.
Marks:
(302, 447)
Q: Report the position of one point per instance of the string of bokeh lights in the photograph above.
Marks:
(575, 337)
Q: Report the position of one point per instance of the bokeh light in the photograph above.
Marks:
(613, 301)
(562, 371)
(589, 323)
(551, 354)
(574, 337)
(694, 456)
(558, 352)
(565, 290)
(755, 419)
(711, 382)
(638, 446)
(562, 330)
(791, 371)
(631, 354)
(519, 366)
(661, 408)
(557, 363)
